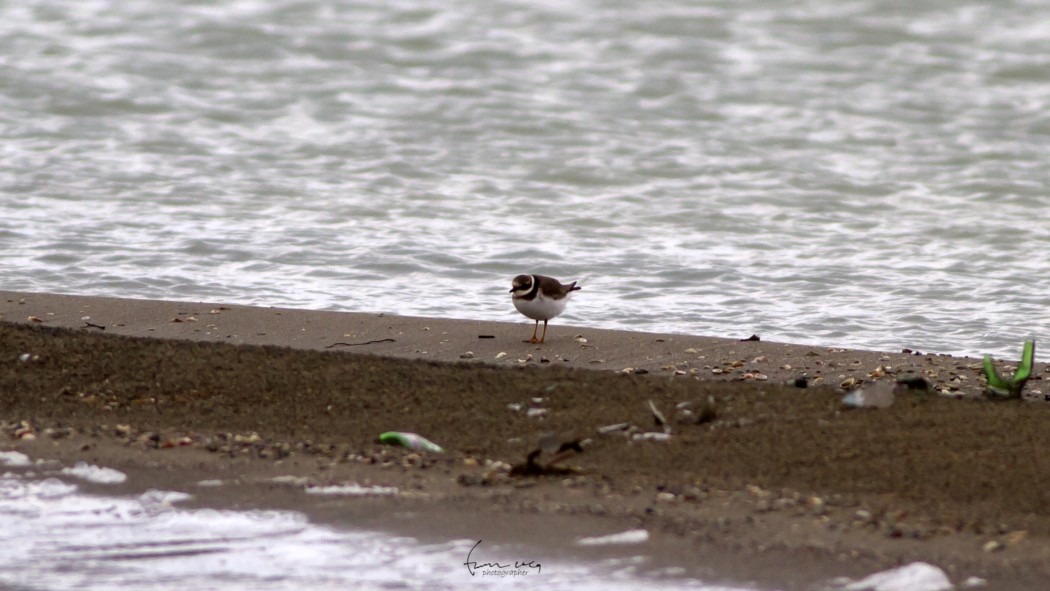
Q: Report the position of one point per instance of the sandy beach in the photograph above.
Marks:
(770, 481)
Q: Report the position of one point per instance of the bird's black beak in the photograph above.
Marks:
(512, 289)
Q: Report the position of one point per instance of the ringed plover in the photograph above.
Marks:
(540, 298)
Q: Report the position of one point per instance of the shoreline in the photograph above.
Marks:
(474, 341)
(780, 484)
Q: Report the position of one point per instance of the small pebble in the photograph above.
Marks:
(993, 546)
(666, 497)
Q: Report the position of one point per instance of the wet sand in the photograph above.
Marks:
(765, 480)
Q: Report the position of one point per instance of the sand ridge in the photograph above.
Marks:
(769, 469)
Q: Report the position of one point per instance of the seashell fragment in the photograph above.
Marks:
(660, 437)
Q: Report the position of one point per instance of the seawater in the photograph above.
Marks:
(57, 537)
(860, 173)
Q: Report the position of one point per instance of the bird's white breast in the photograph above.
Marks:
(541, 308)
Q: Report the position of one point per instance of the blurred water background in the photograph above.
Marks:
(856, 173)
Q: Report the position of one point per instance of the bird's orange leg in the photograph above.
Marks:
(544, 337)
(535, 328)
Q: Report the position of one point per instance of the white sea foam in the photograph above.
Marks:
(352, 489)
(19, 491)
(14, 458)
(161, 500)
(917, 576)
(634, 536)
(96, 474)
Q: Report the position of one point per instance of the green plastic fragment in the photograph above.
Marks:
(1001, 387)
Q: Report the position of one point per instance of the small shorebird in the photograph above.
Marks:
(540, 298)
